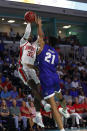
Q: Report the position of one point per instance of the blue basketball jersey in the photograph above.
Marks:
(49, 79)
(48, 60)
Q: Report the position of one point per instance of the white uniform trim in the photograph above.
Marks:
(26, 35)
(58, 91)
(47, 97)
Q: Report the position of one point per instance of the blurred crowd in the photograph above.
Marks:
(17, 101)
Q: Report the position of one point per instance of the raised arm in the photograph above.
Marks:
(26, 34)
(40, 34)
(40, 31)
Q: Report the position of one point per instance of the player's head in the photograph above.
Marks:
(30, 38)
(52, 41)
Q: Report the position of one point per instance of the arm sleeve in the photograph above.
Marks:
(26, 34)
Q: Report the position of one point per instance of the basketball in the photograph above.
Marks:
(29, 16)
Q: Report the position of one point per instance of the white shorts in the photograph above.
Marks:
(26, 74)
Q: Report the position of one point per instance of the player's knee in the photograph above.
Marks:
(62, 99)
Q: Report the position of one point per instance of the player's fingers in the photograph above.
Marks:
(36, 18)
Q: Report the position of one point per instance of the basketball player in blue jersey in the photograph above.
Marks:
(48, 60)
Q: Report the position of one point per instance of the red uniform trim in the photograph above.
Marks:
(21, 52)
(23, 74)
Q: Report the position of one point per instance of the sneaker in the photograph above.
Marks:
(38, 119)
(43, 102)
(47, 107)
(78, 126)
(64, 112)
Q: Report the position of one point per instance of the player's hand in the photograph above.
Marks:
(36, 19)
(39, 21)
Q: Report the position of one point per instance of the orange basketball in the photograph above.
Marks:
(29, 16)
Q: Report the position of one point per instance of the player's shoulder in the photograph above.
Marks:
(23, 42)
(52, 48)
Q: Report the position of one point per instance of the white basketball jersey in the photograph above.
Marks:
(28, 53)
(27, 50)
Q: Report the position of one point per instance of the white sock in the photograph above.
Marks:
(43, 102)
(62, 129)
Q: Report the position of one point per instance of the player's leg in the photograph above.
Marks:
(36, 88)
(30, 82)
(61, 99)
(37, 95)
(48, 92)
(22, 75)
(62, 102)
(25, 76)
(55, 112)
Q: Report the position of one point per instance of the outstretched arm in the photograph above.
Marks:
(40, 31)
(27, 31)
(26, 34)
(40, 34)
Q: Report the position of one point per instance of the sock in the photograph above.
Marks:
(63, 103)
(62, 129)
(43, 102)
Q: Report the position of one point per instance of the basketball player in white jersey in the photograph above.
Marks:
(27, 58)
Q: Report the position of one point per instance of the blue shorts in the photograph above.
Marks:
(50, 85)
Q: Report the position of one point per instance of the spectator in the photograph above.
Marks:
(59, 71)
(5, 94)
(81, 67)
(18, 36)
(1, 48)
(21, 94)
(74, 93)
(25, 112)
(37, 118)
(14, 93)
(28, 102)
(67, 96)
(2, 78)
(0, 91)
(81, 97)
(73, 114)
(75, 83)
(6, 68)
(16, 114)
(79, 108)
(84, 77)
(16, 73)
(30, 97)
(68, 84)
(1, 64)
(4, 112)
(85, 107)
(12, 35)
(47, 118)
(1, 84)
(7, 83)
(80, 51)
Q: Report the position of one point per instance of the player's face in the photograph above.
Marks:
(30, 38)
(40, 40)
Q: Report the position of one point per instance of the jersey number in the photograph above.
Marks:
(49, 58)
(31, 54)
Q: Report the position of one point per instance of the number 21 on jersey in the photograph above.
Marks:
(50, 58)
